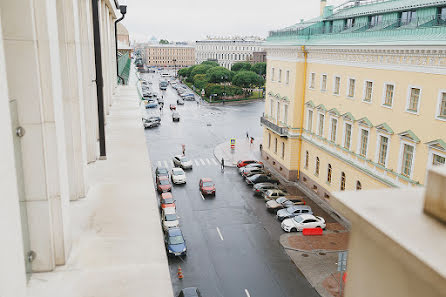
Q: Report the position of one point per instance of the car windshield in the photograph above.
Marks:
(168, 201)
(298, 219)
(208, 184)
(176, 239)
(171, 217)
(162, 170)
(281, 200)
(184, 159)
(164, 182)
(177, 172)
(291, 209)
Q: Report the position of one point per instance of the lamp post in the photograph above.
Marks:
(175, 67)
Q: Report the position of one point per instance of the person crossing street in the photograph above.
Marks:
(222, 164)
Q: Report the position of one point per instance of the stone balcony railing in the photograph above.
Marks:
(267, 122)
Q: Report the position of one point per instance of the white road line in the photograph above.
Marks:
(202, 162)
(196, 162)
(159, 163)
(171, 163)
(219, 234)
(215, 162)
(201, 194)
(209, 162)
(165, 164)
(247, 293)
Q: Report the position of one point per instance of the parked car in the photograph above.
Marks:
(167, 200)
(163, 184)
(173, 107)
(284, 202)
(152, 104)
(169, 218)
(175, 243)
(180, 101)
(175, 116)
(161, 171)
(151, 122)
(182, 161)
(261, 188)
(273, 194)
(243, 163)
(188, 96)
(190, 292)
(261, 178)
(251, 171)
(298, 223)
(293, 211)
(207, 186)
(178, 176)
(252, 165)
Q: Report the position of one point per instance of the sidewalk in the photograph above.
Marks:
(244, 150)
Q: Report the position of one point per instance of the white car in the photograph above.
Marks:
(182, 161)
(178, 176)
(301, 222)
(273, 194)
(170, 218)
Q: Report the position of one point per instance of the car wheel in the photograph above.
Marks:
(293, 230)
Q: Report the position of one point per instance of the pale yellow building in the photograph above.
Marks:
(356, 98)
(169, 55)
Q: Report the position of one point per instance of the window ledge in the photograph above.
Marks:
(412, 111)
(440, 118)
(386, 106)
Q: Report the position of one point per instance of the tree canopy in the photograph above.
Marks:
(259, 68)
(219, 74)
(211, 63)
(239, 66)
(199, 69)
(164, 41)
(247, 79)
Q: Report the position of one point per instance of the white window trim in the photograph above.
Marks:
(287, 77)
(279, 79)
(272, 73)
(348, 88)
(284, 109)
(330, 128)
(378, 138)
(437, 112)
(430, 158)
(309, 81)
(343, 135)
(409, 88)
(326, 82)
(334, 85)
(308, 118)
(400, 156)
(323, 128)
(364, 90)
(383, 99)
(358, 147)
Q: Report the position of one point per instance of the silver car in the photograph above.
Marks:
(182, 161)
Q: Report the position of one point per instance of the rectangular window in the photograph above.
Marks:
(442, 112)
(364, 142)
(388, 99)
(285, 114)
(347, 136)
(351, 87)
(413, 100)
(272, 74)
(368, 91)
(310, 120)
(349, 23)
(406, 167)
(442, 14)
(320, 130)
(271, 108)
(334, 127)
(324, 83)
(407, 17)
(283, 150)
(280, 75)
(275, 145)
(375, 20)
(312, 80)
(438, 160)
(383, 147)
(337, 83)
(287, 77)
(269, 140)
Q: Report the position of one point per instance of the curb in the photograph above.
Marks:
(218, 159)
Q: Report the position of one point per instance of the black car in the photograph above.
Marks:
(261, 178)
(190, 292)
(161, 171)
(261, 188)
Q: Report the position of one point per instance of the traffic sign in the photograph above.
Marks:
(232, 143)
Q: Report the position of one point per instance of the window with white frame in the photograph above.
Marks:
(280, 75)
(275, 145)
(310, 120)
(283, 150)
(414, 99)
(269, 140)
(312, 80)
(438, 160)
(388, 96)
(271, 108)
(329, 171)
(351, 87)
(347, 135)
(364, 142)
(383, 148)
(333, 129)
(407, 159)
(337, 85)
(324, 83)
(307, 158)
(287, 77)
(316, 167)
(272, 74)
(278, 111)
(342, 188)
(320, 128)
(368, 89)
(285, 114)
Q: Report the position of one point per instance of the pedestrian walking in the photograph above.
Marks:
(247, 135)
(252, 140)
(184, 149)
(222, 164)
(162, 96)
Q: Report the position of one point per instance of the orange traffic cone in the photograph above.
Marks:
(180, 273)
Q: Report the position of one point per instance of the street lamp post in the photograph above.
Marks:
(175, 67)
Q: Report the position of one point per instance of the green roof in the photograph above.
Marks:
(438, 144)
(365, 122)
(348, 116)
(384, 127)
(310, 104)
(334, 111)
(410, 135)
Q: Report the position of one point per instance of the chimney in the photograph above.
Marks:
(323, 4)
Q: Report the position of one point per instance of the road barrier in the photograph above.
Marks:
(180, 273)
(312, 231)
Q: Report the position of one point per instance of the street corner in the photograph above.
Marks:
(234, 149)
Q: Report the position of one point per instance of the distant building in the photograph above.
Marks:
(123, 39)
(227, 51)
(169, 55)
(258, 57)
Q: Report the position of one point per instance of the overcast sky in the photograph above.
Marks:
(190, 20)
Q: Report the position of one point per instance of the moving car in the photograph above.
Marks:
(167, 201)
(261, 188)
(283, 202)
(273, 194)
(293, 211)
(163, 85)
(188, 96)
(169, 218)
(243, 163)
(151, 122)
(207, 186)
(190, 292)
(175, 243)
(160, 172)
(298, 223)
(251, 171)
(261, 178)
(163, 184)
(175, 116)
(173, 107)
(182, 161)
(252, 165)
(180, 101)
(152, 104)
(178, 176)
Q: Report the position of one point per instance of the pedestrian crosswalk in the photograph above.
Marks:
(195, 162)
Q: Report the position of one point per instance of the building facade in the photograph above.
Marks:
(356, 97)
(227, 52)
(169, 55)
(258, 57)
(122, 35)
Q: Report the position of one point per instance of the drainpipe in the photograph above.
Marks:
(302, 110)
(123, 10)
(99, 78)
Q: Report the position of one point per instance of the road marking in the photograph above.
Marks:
(247, 293)
(165, 164)
(159, 163)
(219, 234)
(209, 162)
(196, 162)
(202, 162)
(201, 194)
(215, 162)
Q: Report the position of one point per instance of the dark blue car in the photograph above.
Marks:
(152, 105)
(175, 243)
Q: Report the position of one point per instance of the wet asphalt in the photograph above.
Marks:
(232, 241)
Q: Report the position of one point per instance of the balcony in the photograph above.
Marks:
(267, 122)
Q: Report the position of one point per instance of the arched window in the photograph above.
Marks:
(358, 185)
(316, 170)
(307, 157)
(329, 174)
(342, 181)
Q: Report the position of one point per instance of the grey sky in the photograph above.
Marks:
(192, 20)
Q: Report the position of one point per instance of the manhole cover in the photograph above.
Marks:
(332, 243)
(322, 253)
(305, 255)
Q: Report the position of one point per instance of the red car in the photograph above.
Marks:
(207, 187)
(243, 163)
(167, 200)
(173, 107)
(163, 184)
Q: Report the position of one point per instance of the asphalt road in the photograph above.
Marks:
(232, 241)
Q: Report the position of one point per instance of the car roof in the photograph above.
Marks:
(169, 210)
(177, 169)
(163, 178)
(206, 179)
(300, 207)
(174, 232)
(166, 195)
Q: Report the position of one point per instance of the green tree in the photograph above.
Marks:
(200, 81)
(219, 74)
(199, 69)
(259, 68)
(247, 79)
(184, 72)
(239, 66)
(164, 41)
(211, 63)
